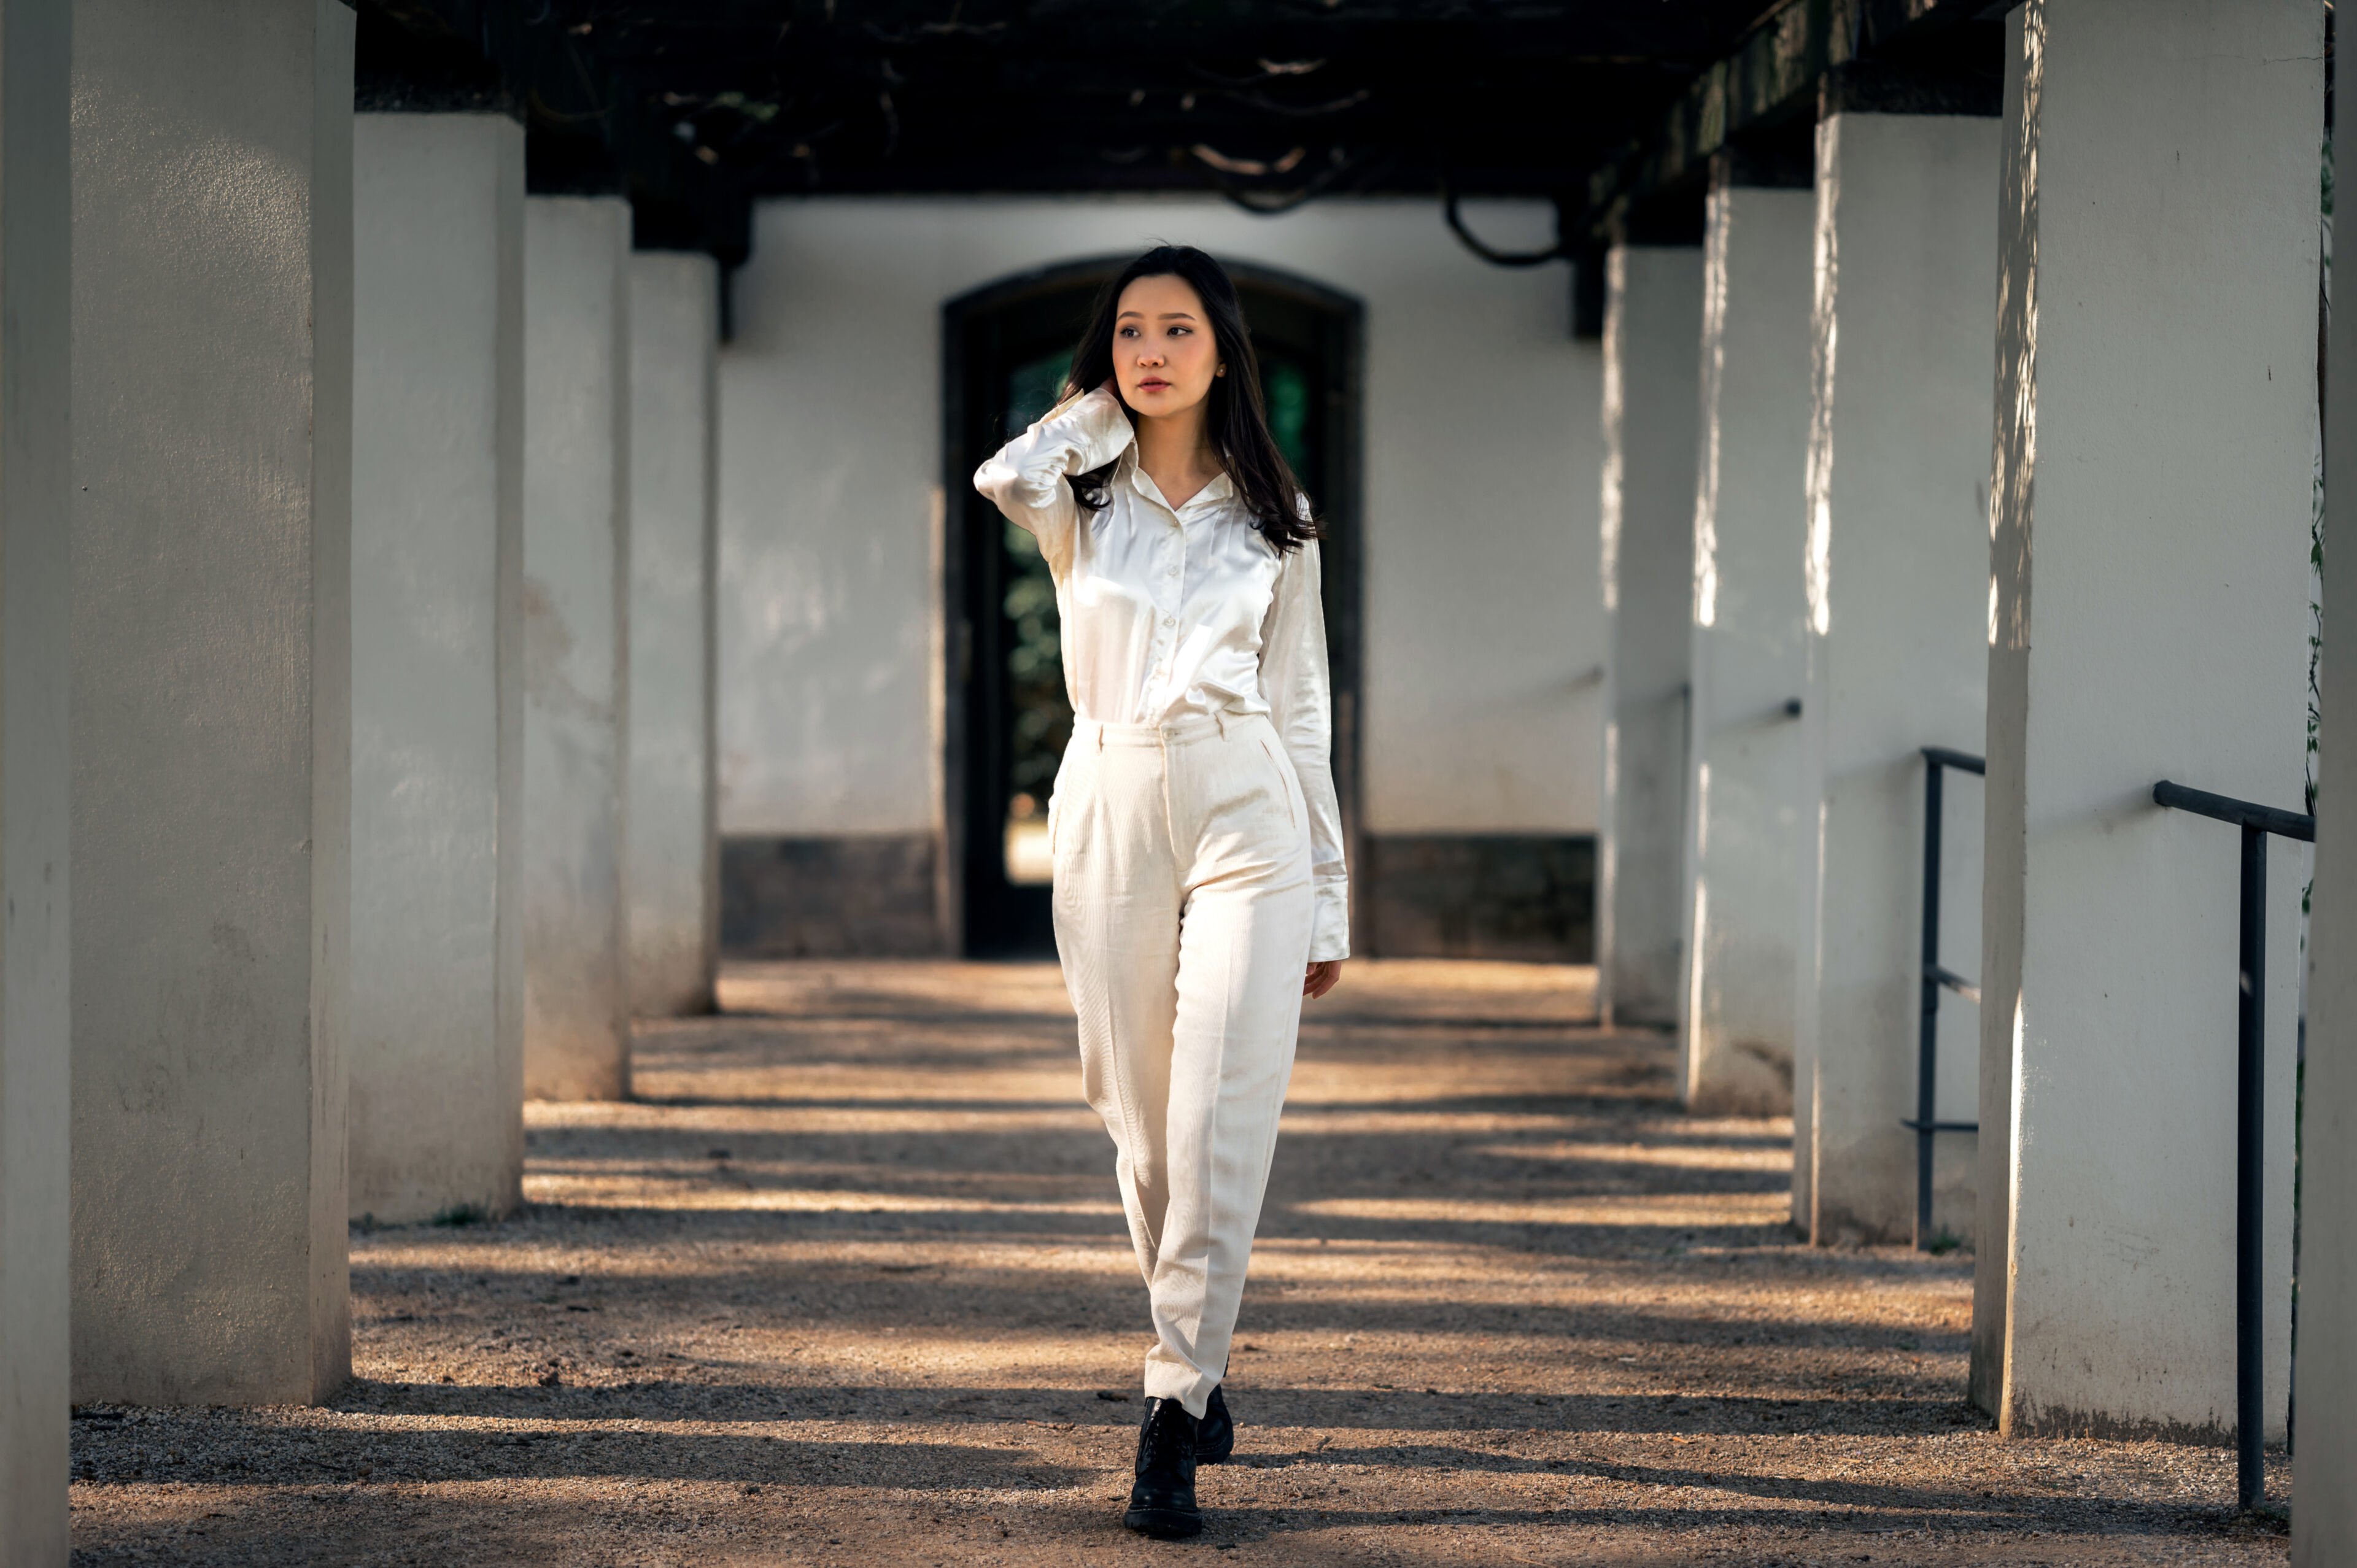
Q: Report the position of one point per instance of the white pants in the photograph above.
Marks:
(1183, 915)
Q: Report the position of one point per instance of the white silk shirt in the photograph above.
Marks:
(1180, 610)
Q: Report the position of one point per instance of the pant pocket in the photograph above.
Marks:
(1063, 798)
(1284, 783)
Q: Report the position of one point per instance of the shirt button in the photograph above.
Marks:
(1169, 620)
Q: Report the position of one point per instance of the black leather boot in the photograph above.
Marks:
(1215, 1434)
(1162, 1503)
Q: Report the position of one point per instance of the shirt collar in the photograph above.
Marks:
(1217, 492)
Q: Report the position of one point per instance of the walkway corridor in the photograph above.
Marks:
(848, 1284)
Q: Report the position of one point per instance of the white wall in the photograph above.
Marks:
(2156, 413)
(2324, 1532)
(1742, 791)
(672, 885)
(211, 699)
(436, 1112)
(1651, 398)
(1898, 550)
(1482, 635)
(576, 565)
(35, 996)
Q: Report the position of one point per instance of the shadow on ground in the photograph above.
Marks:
(849, 1285)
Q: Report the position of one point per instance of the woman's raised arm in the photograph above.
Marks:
(1031, 479)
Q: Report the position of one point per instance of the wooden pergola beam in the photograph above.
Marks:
(1773, 77)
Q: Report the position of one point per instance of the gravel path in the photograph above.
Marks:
(849, 1285)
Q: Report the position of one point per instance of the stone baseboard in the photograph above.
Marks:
(853, 895)
(1480, 895)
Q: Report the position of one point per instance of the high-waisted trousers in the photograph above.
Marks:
(1183, 914)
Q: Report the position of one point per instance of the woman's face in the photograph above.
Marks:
(1164, 355)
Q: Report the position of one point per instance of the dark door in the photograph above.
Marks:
(1008, 349)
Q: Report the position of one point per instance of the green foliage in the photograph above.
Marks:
(760, 111)
(1031, 389)
(1288, 413)
(1039, 713)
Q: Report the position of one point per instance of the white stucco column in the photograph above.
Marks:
(211, 698)
(1896, 581)
(2156, 413)
(576, 565)
(674, 870)
(437, 665)
(36, 589)
(2324, 1390)
(1742, 888)
(1652, 333)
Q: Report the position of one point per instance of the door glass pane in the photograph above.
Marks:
(1038, 716)
(1031, 389)
(1287, 390)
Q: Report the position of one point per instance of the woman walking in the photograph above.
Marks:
(1199, 890)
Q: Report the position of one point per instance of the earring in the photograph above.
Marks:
(1220, 371)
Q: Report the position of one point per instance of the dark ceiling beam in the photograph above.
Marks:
(813, 95)
(1771, 81)
(693, 108)
(591, 125)
(1611, 32)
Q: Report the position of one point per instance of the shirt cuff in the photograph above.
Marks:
(1330, 927)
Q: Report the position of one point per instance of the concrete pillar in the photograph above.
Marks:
(2324, 1383)
(576, 566)
(1741, 886)
(1652, 332)
(212, 235)
(2156, 407)
(437, 665)
(674, 871)
(36, 1062)
(1895, 576)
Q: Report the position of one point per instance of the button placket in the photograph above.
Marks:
(1162, 638)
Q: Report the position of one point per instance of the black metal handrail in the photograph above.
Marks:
(1926, 1122)
(2250, 1114)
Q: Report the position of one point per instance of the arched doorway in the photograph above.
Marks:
(1006, 348)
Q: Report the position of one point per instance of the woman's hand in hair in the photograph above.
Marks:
(1320, 978)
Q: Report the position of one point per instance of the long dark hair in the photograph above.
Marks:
(1236, 420)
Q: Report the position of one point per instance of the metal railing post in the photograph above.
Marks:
(1925, 1120)
(2250, 1115)
(2250, 1148)
(1927, 1049)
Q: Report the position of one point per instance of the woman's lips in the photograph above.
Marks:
(1151, 384)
